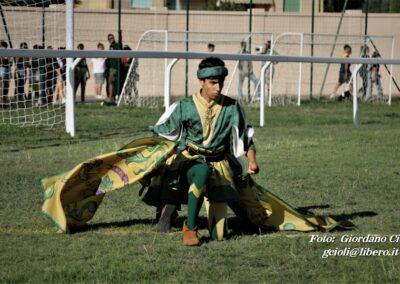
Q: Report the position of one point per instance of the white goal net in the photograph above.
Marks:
(146, 79)
(32, 90)
(324, 77)
(150, 81)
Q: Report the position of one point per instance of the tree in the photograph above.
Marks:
(336, 6)
(226, 6)
(374, 6)
(394, 6)
(378, 6)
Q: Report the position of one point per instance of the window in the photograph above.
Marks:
(291, 5)
(141, 4)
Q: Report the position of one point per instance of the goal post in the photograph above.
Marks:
(33, 89)
(70, 100)
(325, 78)
(149, 92)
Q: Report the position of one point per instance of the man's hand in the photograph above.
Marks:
(253, 168)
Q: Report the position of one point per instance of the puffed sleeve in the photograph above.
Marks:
(242, 133)
(170, 124)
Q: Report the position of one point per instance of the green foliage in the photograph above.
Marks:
(378, 6)
(329, 6)
(336, 6)
(225, 6)
(394, 6)
(374, 6)
(311, 156)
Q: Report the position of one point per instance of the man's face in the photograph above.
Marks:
(348, 51)
(212, 88)
(110, 38)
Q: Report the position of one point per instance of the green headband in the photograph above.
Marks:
(216, 71)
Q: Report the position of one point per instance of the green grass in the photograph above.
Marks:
(312, 156)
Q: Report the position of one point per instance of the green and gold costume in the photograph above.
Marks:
(214, 134)
(192, 133)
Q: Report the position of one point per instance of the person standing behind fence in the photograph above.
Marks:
(376, 77)
(81, 75)
(21, 74)
(38, 78)
(134, 75)
(51, 76)
(42, 79)
(365, 74)
(125, 63)
(99, 68)
(5, 67)
(269, 74)
(245, 70)
(112, 70)
(344, 75)
(60, 69)
(211, 47)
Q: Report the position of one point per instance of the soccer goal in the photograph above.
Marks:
(172, 79)
(292, 82)
(32, 89)
(325, 76)
(284, 80)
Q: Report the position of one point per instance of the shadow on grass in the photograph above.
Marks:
(237, 225)
(340, 217)
(47, 143)
(117, 224)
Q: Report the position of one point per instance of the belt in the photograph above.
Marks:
(208, 157)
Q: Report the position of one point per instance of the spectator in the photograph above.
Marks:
(125, 63)
(113, 65)
(211, 47)
(60, 69)
(133, 76)
(81, 74)
(38, 78)
(365, 73)
(21, 74)
(269, 74)
(5, 67)
(42, 79)
(245, 70)
(99, 68)
(376, 77)
(344, 75)
(51, 76)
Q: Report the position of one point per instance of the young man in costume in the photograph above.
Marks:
(212, 134)
(197, 155)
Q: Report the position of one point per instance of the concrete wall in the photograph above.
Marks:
(92, 26)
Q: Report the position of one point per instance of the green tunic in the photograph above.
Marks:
(216, 128)
(219, 127)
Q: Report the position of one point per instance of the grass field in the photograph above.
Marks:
(312, 156)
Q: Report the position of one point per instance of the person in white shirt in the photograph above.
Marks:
(99, 68)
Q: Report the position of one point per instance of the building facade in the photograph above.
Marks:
(278, 6)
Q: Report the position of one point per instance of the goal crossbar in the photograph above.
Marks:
(191, 55)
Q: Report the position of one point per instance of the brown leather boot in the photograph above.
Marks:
(190, 236)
